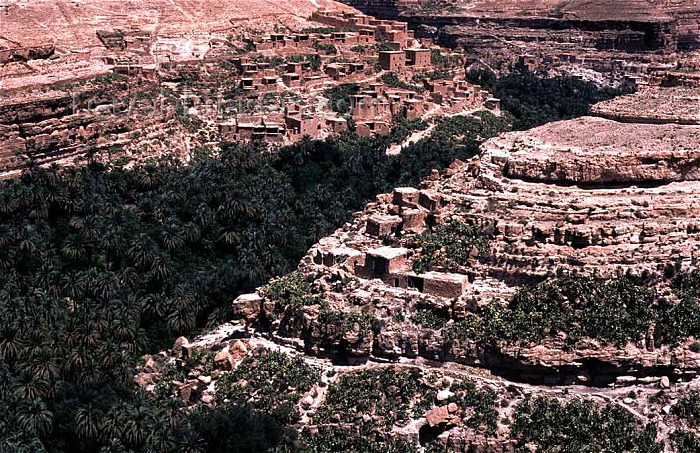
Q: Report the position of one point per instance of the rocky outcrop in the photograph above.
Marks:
(608, 153)
(653, 105)
(62, 125)
(584, 197)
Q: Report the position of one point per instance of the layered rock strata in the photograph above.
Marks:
(585, 197)
(632, 38)
(678, 105)
(62, 125)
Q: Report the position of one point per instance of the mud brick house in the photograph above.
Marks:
(392, 60)
(370, 128)
(493, 104)
(248, 84)
(365, 36)
(302, 124)
(291, 79)
(385, 260)
(302, 40)
(414, 220)
(339, 255)
(405, 196)
(439, 284)
(419, 58)
(295, 67)
(413, 109)
(383, 225)
(430, 200)
(444, 284)
(369, 105)
(337, 71)
(337, 124)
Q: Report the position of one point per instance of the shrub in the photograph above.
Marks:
(337, 439)
(347, 321)
(387, 394)
(481, 405)
(449, 246)
(688, 408)
(685, 441)
(614, 311)
(269, 381)
(290, 292)
(431, 319)
(580, 426)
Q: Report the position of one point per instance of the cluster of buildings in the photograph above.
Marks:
(279, 41)
(287, 127)
(297, 68)
(391, 32)
(373, 110)
(369, 258)
(344, 29)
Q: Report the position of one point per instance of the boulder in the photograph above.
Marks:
(180, 344)
(248, 307)
(223, 359)
(442, 416)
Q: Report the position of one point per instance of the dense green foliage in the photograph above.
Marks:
(682, 320)
(390, 79)
(340, 96)
(688, 408)
(336, 439)
(290, 293)
(480, 404)
(383, 398)
(388, 394)
(430, 319)
(328, 49)
(255, 404)
(268, 381)
(403, 128)
(579, 426)
(687, 439)
(535, 100)
(99, 265)
(449, 246)
(345, 322)
(614, 311)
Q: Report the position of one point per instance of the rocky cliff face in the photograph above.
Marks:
(587, 197)
(74, 24)
(59, 125)
(654, 105)
(610, 38)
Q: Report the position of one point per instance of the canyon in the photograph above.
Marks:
(539, 293)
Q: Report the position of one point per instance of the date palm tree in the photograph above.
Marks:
(88, 422)
(34, 417)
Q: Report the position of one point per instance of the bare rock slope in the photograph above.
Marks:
(71, 24)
